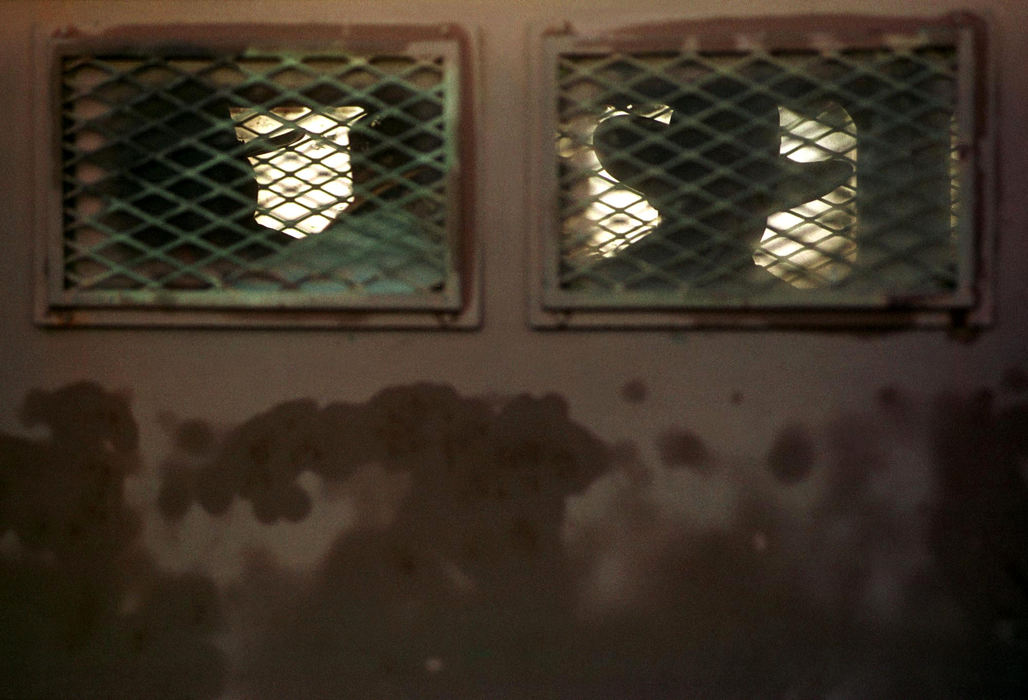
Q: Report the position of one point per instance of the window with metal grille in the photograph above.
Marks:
(289, 173)
(805, 170)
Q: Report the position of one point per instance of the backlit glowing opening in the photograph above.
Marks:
(812, 244)
(304, 186)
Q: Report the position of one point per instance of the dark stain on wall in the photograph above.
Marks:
(527, 455)
(682, 448)
(195, 437)
(1015, 379)
(792, 455)
(879, 586)
(465, 593)
(901, 573)
(979, 532)
(634, 391)
(472, 592)
(890, 397)
(83, 613)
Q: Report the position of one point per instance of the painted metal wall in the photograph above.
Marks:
(508, 513)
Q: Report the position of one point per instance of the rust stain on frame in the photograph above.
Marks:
(455, 306)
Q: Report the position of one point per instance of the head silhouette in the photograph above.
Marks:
(714, 173)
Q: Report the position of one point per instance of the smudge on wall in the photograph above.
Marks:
(463, 577)
(496, 548)
(84, 612)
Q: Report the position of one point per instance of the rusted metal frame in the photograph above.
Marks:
(305, 298)
(543, 190)
(461, 295)
(76, 295)
(551, 308)
(974, 168)
(718, 172)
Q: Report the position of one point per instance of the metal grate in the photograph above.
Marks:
(816, 175)
(259, 178)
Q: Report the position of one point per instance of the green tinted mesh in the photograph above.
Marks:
(761, 177)
(264, 178)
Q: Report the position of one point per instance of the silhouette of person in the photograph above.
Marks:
(715, 174)
(390, 239)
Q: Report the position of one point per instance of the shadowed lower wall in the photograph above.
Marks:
(497, 548)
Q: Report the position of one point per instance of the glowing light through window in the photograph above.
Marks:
(302, 187)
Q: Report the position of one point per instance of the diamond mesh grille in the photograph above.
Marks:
(758, 177)
(265, 178)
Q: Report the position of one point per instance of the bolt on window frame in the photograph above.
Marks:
(454, 303)
(553, 306)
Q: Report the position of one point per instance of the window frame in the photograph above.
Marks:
(457, 306)
(552, 307)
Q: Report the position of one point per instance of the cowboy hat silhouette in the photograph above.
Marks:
(715, 174)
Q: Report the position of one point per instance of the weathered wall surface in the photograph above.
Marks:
(506, 513)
